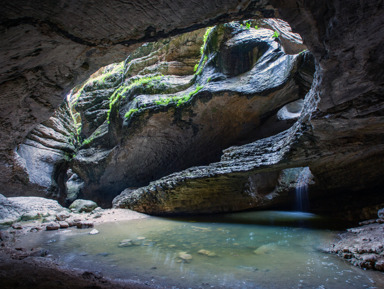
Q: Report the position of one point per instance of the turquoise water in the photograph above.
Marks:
(245, 250)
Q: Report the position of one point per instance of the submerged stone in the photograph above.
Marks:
(184, 256)
(207, 253)
(265, 249)
(126, 243)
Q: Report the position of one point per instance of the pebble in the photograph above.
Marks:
(49, 219)
(84, 224)
(63, 224)
(52, 226)
(73, 222)
(17, 226)
(184, 256)
(264, 249)
(62, 216)
(126, 243)
(380, 265)
(35, 229)
(207, 253)
(96, 216)
(94, 232)
(39, 252)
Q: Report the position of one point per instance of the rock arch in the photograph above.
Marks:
(47, 49)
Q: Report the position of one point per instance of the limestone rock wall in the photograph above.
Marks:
(44, 55)
(338, 137)
(48, 47)
(133, 124)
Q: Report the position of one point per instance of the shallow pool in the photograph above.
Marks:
(244, 250)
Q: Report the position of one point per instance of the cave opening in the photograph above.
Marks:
(170, 105)
(232, 149)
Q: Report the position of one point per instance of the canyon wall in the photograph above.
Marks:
(44, 54)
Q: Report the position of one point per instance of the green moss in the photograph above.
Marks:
(163, 101)
(130, 112)
(209, 29)
(202, 48)
(110, 76)
(209, 79)
(91, 138)
(87, 141)
(178, 100)
(276, 34)
(185, 98)
(202, 65)
(150, 84)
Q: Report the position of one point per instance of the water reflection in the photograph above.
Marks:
(232, 251)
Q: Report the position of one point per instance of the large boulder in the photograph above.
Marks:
(27, 208)
(80, 206)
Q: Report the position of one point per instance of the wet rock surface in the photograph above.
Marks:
(338, 135)
(130, 119)
(363, 246)
(349, 87)
(50, 48)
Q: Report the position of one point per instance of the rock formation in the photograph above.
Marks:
(47, 48)
(339, 136)
(363, 246)
(173, 104)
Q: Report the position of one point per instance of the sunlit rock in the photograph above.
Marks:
(207, 253)
(94, 232)
(185, 257)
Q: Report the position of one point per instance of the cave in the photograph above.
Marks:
(191, 111)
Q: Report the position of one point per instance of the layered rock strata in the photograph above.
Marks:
(49, 47)
(363, 246)
(174, 104)
(345, 40)
(339, 138)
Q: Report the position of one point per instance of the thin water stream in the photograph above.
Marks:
(244, 250)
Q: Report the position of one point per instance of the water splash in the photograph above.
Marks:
(302, 200)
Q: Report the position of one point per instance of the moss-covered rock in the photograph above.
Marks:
(138, 121)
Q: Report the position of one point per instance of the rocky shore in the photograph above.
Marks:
(23, 267)
(363, 246)
(35, 268)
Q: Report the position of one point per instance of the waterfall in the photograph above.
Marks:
(302, 201)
